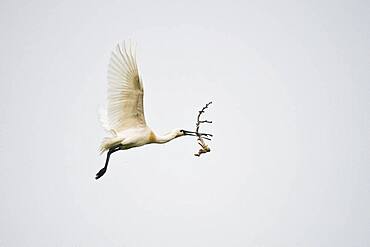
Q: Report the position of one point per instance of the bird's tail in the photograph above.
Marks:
(109, 142)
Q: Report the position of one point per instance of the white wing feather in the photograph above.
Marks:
(125, 92)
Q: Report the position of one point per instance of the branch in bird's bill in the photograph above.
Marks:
(201, 136)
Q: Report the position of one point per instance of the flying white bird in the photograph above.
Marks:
(124, 116)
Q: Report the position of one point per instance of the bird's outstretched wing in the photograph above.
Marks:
(125, 92)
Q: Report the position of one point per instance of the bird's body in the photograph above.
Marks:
(124, 117)
(136, 137)
(133, 137)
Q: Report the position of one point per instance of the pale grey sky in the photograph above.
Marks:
(290, 159)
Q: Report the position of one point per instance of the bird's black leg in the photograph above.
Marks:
(104, 169)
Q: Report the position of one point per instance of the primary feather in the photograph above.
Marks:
(125, 92)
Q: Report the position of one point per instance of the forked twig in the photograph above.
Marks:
(204, 147)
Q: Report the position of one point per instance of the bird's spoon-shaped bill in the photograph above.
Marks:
(193, 133)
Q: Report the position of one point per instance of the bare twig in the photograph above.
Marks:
(202, 136)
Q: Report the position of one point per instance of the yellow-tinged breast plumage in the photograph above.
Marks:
(152, 137)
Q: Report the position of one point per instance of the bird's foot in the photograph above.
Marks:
(101, 173)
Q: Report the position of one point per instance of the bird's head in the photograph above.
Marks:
(181, 132)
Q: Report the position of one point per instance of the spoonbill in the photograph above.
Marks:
(124, 116)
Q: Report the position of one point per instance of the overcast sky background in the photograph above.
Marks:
(290, 159)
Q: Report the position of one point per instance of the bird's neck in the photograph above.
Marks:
(165, 138)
